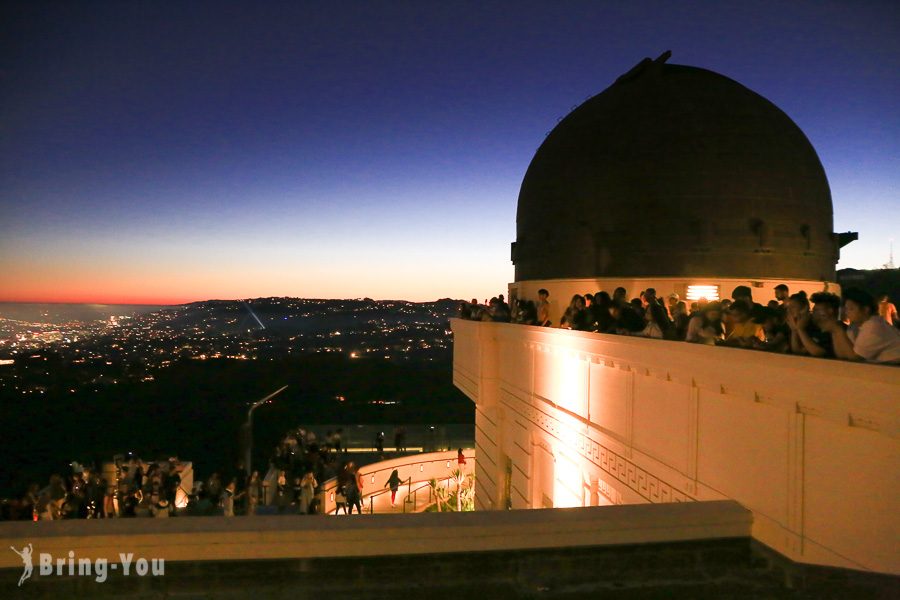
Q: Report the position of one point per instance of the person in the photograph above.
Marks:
(742, 292)
(487, 311)
(460, 458)
(281, 498)
(526, 312)
(109, 500)
(474, 310)
(172, 481)
(743, 329)
(619, 295)
(887, 310)
(340, 499)
(543, 308)
(400, 438)
(637, 305)
(782, 295)
(254, 492)
(161, 509)
(679, 315)
(868, 337)
(130, 501)
(353, 489)
(307, 493)
(465, 310)
(394, 483)
(379, 442)
(776, 333)
(705, 326)
(214, 486)
(227, 500)
(626, 319)
(810, 331)
(576, 315)
(601, 320)
(500, 310)
(672, 301)
(295, 494)
(658, 325)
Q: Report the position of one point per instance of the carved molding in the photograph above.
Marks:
(647, 485)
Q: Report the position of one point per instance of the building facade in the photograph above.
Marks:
(675, 178)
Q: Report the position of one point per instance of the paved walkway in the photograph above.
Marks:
(378, 500)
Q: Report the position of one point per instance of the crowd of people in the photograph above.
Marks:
(854, 326)
(302, 461)
(139, 489)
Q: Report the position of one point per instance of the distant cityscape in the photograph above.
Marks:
(101, 348)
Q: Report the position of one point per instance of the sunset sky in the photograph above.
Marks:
(161, 153)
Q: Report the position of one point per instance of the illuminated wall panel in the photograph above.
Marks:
(571, 382)
(610, 395)
(516, 368)
(661, 421)
(486, 468)
(545, 373)
(743, 451)
(568, 483)
(521, 485)
(842, 515)
(544, 477)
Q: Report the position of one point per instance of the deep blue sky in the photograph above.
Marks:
(160, 152)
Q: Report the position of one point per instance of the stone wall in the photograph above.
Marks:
(568, 418)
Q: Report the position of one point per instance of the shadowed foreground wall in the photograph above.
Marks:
(700, 550)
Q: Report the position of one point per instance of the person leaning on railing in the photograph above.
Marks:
(810, 330)
(786, 327)
(868, 337)
(705, 325)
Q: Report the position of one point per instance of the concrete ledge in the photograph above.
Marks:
(292, 537)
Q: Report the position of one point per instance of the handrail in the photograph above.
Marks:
(427, 466)
(333, 481)
(415, 493)
(379, 493)
(416, 462)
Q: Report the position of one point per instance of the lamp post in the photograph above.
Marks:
(249, 427)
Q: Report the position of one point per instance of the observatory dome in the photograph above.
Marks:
(675, 171)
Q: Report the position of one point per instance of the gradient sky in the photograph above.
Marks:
(164, 152)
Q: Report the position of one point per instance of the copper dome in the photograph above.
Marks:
(675, 171)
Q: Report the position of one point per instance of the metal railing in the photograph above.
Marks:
(372, 497)
(415, 497)
(412, 495)
(329, 488)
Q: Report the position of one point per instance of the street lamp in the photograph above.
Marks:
(248, 426)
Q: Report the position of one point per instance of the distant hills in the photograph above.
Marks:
(178, 379)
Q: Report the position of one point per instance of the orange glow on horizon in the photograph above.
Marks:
(98, 299)
(44, 281)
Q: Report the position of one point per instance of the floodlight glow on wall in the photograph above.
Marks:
(710, 292)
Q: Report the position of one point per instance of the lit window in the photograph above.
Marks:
(710, 292)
